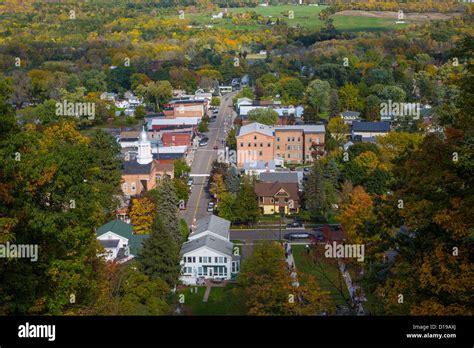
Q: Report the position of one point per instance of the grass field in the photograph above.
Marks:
(304, 16)
(220, 302)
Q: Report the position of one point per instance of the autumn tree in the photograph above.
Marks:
(142, 214)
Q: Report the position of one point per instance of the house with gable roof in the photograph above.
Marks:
(119, 241)
(208, 253)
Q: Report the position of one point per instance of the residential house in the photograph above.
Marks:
(278, 197)
(258, 167)
(119, 241)
(367, 131)
(208, 253)
(283, 177)
(350, 116)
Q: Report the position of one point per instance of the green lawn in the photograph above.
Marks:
(305, 266)
(220, 302)
(305, 16)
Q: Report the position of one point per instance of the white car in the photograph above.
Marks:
(210, 207)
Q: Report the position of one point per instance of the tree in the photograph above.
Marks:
(227, 206)
(140, 112)
(315, 195)
(317, 95)
(264, 116)
(334, 107)
(232, 180)
(393, 93)
(130, 292)
(142, 215)
(155, 93)
(215, 101)
(167, 207)
(339, 129)
(291, 90)
(231, 140)
(353, 214)
(264, 286)
(159, 256)
(217, 187)
(350, 99)
(331, 172)
(247, 210)
(181, 168)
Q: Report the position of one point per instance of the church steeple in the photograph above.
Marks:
(144, 148)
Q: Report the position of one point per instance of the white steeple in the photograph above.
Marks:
(144, 148)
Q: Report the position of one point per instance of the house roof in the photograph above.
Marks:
(283, 177)
(371, 126)
(124, 230)
(314, 128)
(350, 114)
(133, 167)
(270, 189)
(256, 127)
(217, 244)
(213, 224)
(252, 165)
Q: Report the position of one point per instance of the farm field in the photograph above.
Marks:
(304, 16)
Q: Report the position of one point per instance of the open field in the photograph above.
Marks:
(304, 16)
(220, 301)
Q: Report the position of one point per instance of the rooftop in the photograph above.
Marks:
(371, 126)
(211, 242)
(214, 224)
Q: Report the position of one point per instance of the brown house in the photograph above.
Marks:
(278, 197)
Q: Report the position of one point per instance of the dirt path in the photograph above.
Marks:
(409, 16)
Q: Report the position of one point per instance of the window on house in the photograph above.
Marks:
(249, 144)
(299, 147)
(269, 144)
(241, 144)
(278, 148)
(278, 138)
(255, 137)
(125, 187)
(200, 271)
(261, 154)
(255, 144)
(288, 138)
(299, 139)
(134, 186)
(293, 139)
(317, 141)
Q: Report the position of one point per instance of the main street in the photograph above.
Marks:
(203, 158)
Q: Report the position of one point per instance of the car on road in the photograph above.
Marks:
(210, 206)
(190, 182)
(293, 236)
(317, 237)
(295, 224)
(203, 141)
(215, 147)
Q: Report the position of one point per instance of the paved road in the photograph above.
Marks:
(263, 234)
(203, 158)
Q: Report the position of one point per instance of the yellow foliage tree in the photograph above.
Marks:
(142, 215)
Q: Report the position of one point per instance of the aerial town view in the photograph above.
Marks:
(188, 160)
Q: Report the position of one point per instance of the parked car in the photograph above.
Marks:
(203, 141)
(210, 206)
(190, 182)
(295, 224)
(293, 236)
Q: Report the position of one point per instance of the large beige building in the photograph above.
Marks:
(290, 144)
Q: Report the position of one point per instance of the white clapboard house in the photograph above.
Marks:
(208, 253)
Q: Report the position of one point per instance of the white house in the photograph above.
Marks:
(208, 253)
(119, 241)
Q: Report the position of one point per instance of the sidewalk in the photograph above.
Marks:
(291, 264)
(356, 300)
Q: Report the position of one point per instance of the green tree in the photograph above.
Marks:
(317, 95)
(350, 99)
(247, 210)
(264, 116)
(334, 107)
(159, 255)
(315, 195)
